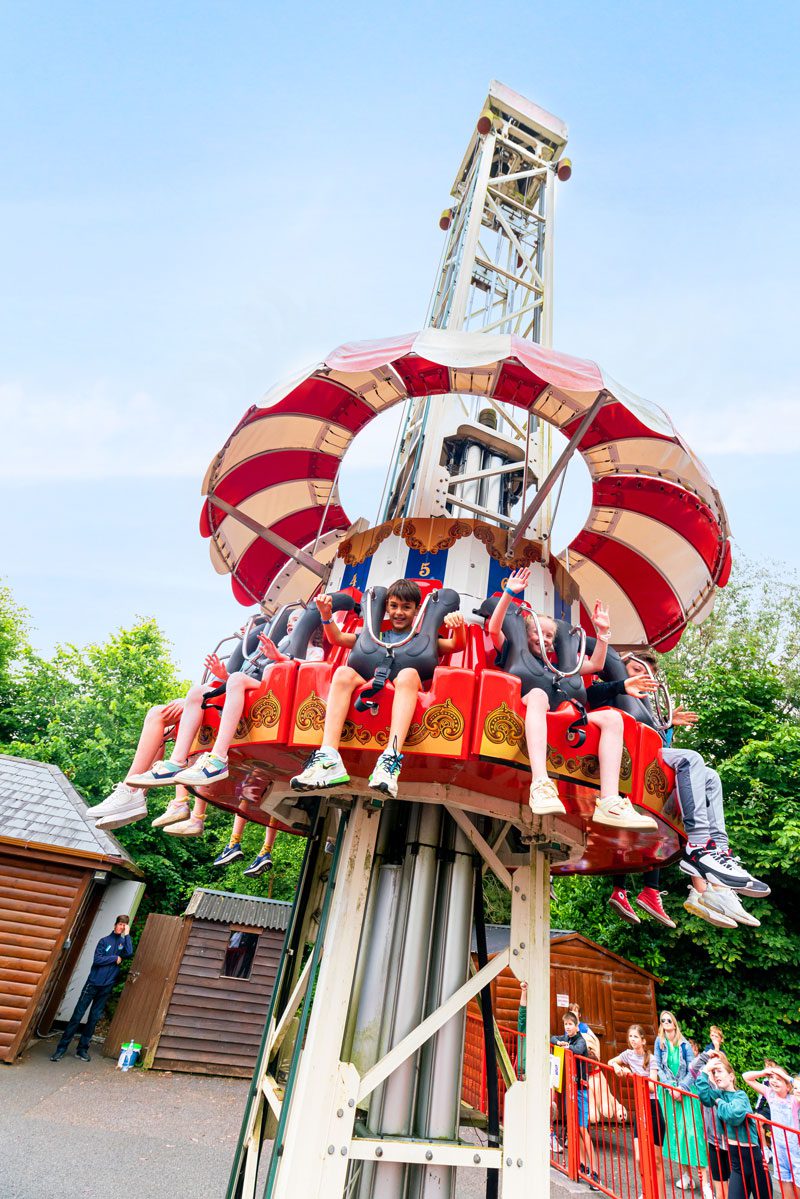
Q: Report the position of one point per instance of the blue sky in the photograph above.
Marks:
(199, 198)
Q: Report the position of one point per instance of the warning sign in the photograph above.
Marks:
(562, 1000)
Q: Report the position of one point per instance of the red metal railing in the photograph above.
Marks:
(631, 1138)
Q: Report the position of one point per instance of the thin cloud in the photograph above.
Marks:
(768, 425)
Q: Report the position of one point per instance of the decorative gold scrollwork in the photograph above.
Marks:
(311, 714)
(626, 768)
(266, 712)
(357, 733)
(441, 720)
(205, 735)
(655, 781)
(504, 727)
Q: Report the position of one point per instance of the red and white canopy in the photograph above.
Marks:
(655, 545)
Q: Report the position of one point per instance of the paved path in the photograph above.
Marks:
(79, 1130)
(87, 1131)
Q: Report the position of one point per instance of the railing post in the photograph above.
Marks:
(571, 1113)
(644, 1125)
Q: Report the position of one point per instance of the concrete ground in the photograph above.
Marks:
(87, 1131)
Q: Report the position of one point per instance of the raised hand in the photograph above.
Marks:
(216, 666)
(454, 620)
(325, 606)
(270, 648)
(640, 686)
(518, 580)
(601, 620)
(683, 716)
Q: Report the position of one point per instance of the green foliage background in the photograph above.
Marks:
(82, 710)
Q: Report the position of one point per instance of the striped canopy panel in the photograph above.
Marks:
(655, 545)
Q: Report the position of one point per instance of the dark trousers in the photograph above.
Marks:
(749, 1176)
(95, 998)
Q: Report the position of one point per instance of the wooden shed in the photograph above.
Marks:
(199, 987)
(59, 879)
(612, 992)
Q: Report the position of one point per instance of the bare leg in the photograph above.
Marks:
(609, 753)
(235, 691)
(239, 825)
(588, 1149)
(190, 722)
(406, 690)
(269, 837)
(536, 708)
(198, 807)
(344, 682)
(151, 740)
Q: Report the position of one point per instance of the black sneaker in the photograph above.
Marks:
(83, 1054)
(57, 1056)
(753, 887)
(259, 865)
(708, 861)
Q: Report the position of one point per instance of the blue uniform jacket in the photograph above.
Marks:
(105, 969)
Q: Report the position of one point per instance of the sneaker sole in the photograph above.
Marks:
(638, 822)
(661, 917)
(184, 779)
(710, 917)
(257, 873)
(140, 780)
(235, 857)
(172, 832)
(120, 819)
(162, 821)
(628, 917)
(548, 809)
(384, 788)
(342, 781)
(753, 894)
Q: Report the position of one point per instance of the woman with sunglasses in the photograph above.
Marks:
(685, 1142)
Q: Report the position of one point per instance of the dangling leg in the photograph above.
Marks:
(407, 687)
(324, 769)
(263, 859)
(611, 808)
(233, 850)
(544, 799)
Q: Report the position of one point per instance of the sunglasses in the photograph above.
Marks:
(668, 1022)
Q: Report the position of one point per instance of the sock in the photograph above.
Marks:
(329, 751)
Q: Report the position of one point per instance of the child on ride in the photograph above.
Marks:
(325, 769)
(716, 876)
(212, 766)
(610, 808)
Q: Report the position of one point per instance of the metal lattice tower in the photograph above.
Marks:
(496, 277)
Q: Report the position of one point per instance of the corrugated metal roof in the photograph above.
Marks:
(229, 908)
(39, 803)
(498, 937)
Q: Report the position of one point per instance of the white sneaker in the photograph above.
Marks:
(322, 771)
(723, 899)
(209, 768)
(384, 775)
(125, 805)
(544, 798)
(684, 1183)
(695, 905)
(708, 1191)
(619, 812)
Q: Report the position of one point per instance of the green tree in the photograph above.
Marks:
(13, 643)
(82, 710)
(740, 671)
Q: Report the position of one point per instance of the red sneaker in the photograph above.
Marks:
(619, 902)
(650, 900)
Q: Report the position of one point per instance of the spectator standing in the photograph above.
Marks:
(719, 1161)
(785, 1116)
(717, 1039)
(573, 1039)
(637, 1059)
(683, 1113)
(109, 955)
(716, 1086)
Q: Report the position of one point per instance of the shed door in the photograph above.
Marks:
(593, 990)
(148, 987)
(38, 904)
